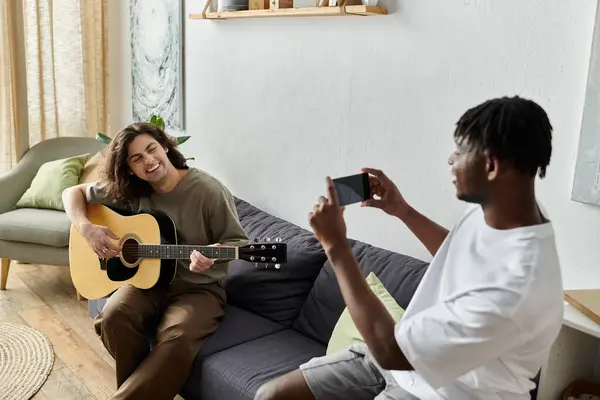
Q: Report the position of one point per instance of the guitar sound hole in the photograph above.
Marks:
(130, 251)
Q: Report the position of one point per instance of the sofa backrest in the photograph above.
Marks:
(304, 293)
(400, 274)
(275, 294)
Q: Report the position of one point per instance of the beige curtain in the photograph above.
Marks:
(66, 67)
(11, 95)
(60, 88)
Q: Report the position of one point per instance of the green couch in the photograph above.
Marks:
(31, 235)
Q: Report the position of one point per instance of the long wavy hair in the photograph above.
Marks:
(118, 182)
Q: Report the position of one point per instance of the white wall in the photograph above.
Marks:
(274, 105)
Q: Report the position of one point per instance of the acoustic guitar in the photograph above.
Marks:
(149, 253)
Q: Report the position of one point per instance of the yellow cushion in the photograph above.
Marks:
(345, 332)
(91, 169)
(50, 181)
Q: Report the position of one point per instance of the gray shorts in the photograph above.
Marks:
(351, 374)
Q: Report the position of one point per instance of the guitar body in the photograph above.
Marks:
(149, 253)
(95, 278)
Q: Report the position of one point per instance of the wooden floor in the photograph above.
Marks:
(44, 298)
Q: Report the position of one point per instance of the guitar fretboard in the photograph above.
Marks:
(174, 252)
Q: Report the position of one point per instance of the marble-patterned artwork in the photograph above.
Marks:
(586, 182)
(156, 62)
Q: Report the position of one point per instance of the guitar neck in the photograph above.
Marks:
(178, 252)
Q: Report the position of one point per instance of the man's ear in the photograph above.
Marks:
(492, 168)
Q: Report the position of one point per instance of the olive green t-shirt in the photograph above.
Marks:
(203, 211)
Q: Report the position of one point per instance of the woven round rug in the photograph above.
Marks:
(26, 359)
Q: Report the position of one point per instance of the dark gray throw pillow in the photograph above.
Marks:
(275, 294)
(400, 274)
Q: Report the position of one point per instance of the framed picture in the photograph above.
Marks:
(156, 61)
(586, 182)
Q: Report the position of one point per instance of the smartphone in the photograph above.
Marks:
(353, 189)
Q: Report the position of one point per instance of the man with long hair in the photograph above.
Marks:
(489, 307)
(145, 172)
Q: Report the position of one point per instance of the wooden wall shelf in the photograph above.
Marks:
(295, 12)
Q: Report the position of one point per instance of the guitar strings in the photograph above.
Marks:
(137, 250)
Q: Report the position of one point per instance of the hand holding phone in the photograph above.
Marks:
(327, 219)
(353, 188)
(389, 199)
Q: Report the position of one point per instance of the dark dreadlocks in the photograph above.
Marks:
(513, 129)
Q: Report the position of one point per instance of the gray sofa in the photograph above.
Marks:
(34, 235)
(277, 319)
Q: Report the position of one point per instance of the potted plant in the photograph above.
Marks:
(156, 121)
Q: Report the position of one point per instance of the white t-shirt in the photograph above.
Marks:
(482, 321)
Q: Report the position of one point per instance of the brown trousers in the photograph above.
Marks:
(180, 317)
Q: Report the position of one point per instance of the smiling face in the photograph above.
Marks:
(472, 173)
(140, 160)
(147, 159)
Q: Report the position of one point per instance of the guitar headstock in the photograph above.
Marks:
(265, 253)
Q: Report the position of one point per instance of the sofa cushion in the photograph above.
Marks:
(237, 326)
(51, 180)
(400, 274)
(345, 333)
(32, 225)
(238, 372)
(92, 168)
(277, 294)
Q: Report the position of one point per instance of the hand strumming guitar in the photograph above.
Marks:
(99, 239)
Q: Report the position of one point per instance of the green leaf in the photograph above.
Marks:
(103, 138)
(182, 139)
(157, 121)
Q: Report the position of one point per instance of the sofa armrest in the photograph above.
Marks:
(15, 182)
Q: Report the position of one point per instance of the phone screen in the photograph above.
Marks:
(352, 189)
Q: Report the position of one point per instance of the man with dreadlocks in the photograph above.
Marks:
(489, 307)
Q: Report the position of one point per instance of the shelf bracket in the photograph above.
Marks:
(206, 5)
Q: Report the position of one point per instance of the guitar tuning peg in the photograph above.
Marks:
(256, 240)
(278, 240)
(266, 265)
(277, 266)
(268, 239)
(255, 265)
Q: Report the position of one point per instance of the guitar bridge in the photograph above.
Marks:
(103, 264)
